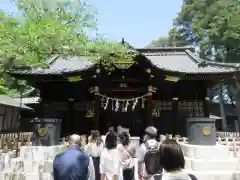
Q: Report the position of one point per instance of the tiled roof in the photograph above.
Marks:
(8, 101)
(184, 61)
(28, 100)
(60, 64)
(172, 59)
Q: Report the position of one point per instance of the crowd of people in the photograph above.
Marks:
(116, 159)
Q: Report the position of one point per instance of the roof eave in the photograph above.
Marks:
(200, 60)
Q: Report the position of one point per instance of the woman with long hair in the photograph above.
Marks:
(109, 160)
(127, 157)
(94, 148)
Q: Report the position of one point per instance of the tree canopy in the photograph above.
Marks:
(52, 27)
(209, 24)
(212, 24)
(175, 38)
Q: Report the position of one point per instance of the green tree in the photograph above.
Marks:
(214, 24)
(160, 42)
(177, 38)
(52, 27)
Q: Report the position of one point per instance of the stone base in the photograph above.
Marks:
(26, 176)
(34, 163)
(5, 158)
(211, 162)
(26, 166)
(205, 152)
(215, 175)
(39, 153)
(202, 165)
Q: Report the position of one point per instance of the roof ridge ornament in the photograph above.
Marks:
(202, 64)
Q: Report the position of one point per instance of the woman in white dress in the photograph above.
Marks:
(109, 159)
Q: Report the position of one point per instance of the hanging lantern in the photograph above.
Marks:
(172, 78)
(98, 70)
(21, 82)
(74, 78)
(148, 70)
(90, 113)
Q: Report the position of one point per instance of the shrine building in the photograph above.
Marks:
(163, 87)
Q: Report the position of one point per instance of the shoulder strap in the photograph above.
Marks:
(157, 177)
(192, 177)
(147, 145)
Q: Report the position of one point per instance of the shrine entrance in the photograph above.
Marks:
(133, 120)
(125, 110)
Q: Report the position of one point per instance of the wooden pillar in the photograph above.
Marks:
(175, 119)
(96, 100)
(96, 112)
(96, 109)
(71, 119)
(150, 107)
(207, 104)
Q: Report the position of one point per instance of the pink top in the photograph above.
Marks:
(126, 156)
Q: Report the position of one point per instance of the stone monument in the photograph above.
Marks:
(34, 163)
(204, 158)
(46, 132)
(201, 131)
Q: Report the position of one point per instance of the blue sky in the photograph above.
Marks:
(138, 21)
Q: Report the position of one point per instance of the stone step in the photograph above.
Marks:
(6, 157)
(26, 166)
(215, 175)
(25, 176)
(205, 152)
(203, 165)
(35, 153)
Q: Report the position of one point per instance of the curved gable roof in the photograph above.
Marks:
(172, 59)
(182, 60)
(60, 64)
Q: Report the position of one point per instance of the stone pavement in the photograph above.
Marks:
(206, 162)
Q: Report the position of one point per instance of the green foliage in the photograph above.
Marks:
(160, 42)
(177, 38)
(52, 27)
(213, 23)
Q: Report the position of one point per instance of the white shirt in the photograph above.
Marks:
(126, 158)
(110, 163)
(93, 149)
(174, 176)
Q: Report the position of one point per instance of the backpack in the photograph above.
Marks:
(151, 159)
(159, 177)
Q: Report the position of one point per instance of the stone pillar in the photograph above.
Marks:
(150, 107)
